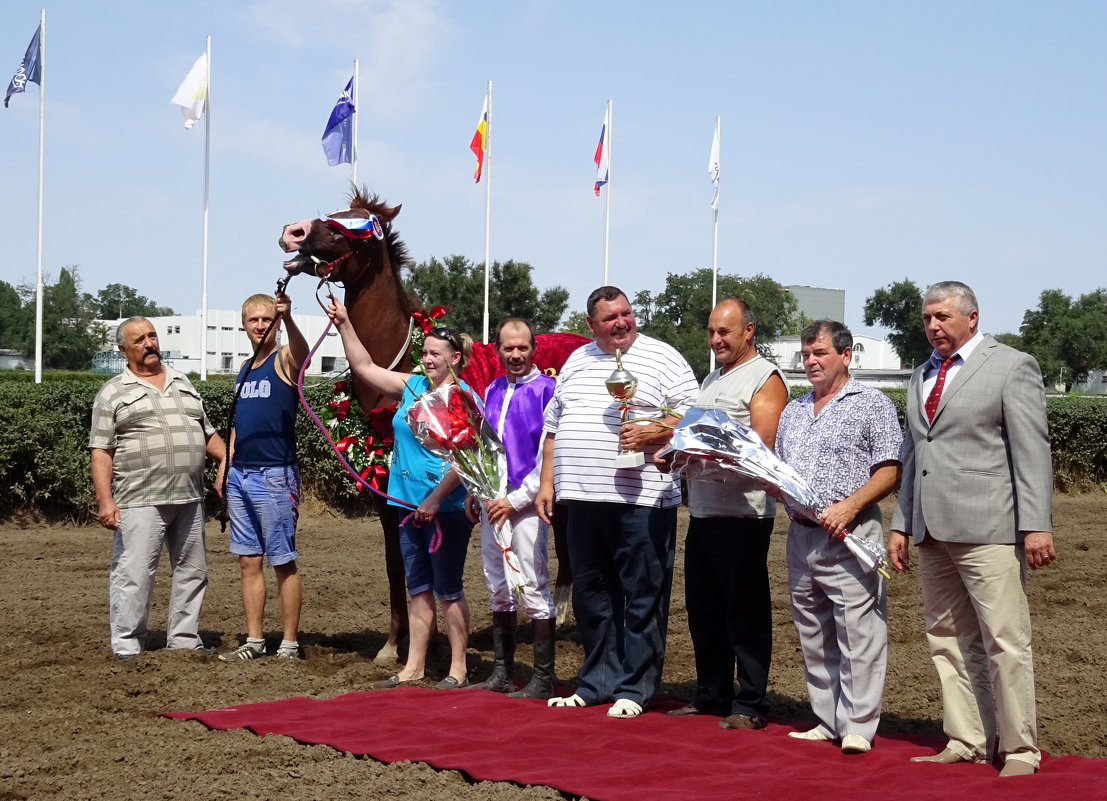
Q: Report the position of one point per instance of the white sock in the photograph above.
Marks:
(257, 645)
(289, 644)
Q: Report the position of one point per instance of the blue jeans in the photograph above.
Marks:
(622, 557)
(263, 507)
(442, 570)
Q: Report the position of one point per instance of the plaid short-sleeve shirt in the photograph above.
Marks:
(159, 439)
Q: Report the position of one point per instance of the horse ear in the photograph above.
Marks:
(391, 213)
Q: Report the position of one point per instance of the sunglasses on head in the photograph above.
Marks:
(447, 335)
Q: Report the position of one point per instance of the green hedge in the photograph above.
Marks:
(44, 462)
(1078, 437)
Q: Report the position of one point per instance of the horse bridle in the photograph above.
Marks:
(324, 269)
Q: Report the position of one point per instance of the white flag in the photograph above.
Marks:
(192, 95)
(713, 168)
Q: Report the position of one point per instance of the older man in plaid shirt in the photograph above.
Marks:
(148, 440)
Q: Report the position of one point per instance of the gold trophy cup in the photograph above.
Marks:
(622, 385)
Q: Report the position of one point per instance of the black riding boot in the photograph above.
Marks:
(503, 642)
(541, 683)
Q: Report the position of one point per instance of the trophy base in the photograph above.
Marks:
(629, 459)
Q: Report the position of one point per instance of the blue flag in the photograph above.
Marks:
(338, 137)
(30, 68)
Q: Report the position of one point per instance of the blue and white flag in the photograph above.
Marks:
(338, 137)
(30, 68)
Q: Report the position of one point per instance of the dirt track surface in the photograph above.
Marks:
(77, 724)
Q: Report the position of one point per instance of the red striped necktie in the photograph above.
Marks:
(935, 395)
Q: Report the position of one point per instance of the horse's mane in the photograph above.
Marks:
(362, 200)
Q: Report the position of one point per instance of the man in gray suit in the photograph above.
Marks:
(976, 499)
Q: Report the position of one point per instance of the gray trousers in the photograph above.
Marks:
(841, 616)
(134, 563)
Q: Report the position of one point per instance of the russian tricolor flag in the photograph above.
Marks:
(601, 158)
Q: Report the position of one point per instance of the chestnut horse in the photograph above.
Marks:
(358, 248)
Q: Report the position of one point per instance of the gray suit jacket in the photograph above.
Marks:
(982, 471)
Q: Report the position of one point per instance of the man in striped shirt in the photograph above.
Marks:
(621, 521)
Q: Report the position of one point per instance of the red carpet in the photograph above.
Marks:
(581, 751)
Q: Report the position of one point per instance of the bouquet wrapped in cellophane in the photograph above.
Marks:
(448, 422)
(708, 440)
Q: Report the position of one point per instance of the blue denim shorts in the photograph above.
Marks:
(440, 571)
(263, 505)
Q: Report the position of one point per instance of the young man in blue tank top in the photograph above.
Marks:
(263, 486)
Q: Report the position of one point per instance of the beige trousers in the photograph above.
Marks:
(978, 630)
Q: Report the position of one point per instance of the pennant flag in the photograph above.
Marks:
(713, 168)
(30, 68)
(192, 95)
(601, 158)
(338, 136)
(480, 139)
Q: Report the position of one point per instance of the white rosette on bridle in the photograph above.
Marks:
(708, 441)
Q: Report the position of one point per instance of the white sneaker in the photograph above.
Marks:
(855, 744)
(817, 734)
(289, 652)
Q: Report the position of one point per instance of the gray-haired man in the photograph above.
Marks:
(148, 441)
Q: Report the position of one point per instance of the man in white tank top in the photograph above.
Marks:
(725, 571)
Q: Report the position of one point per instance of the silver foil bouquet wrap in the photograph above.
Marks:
(449, 423)
(707, 443)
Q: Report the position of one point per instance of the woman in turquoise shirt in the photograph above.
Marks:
(424, 481)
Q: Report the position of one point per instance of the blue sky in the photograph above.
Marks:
(862, 142)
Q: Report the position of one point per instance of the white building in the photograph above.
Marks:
(227, 346)
(874, 362)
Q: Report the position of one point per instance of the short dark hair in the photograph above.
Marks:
(515, 321)
(839, 336)
(608, 293)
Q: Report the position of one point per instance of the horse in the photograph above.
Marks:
(359, 248)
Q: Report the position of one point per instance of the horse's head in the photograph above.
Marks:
(341, 244)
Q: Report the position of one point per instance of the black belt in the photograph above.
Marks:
(803, 521)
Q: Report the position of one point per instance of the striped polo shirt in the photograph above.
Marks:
(585, 420)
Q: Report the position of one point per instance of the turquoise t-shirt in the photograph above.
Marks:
(415, 471)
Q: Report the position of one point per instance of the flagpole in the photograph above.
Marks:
(41, 160)
(204, 260)
(715, 243)
(353, 144)
(487, 206)
(607, 196)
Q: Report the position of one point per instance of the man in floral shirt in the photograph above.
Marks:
(844, 439)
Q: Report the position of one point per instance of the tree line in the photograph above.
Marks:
(1067, 336)
(677, 314)
(68, 317)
